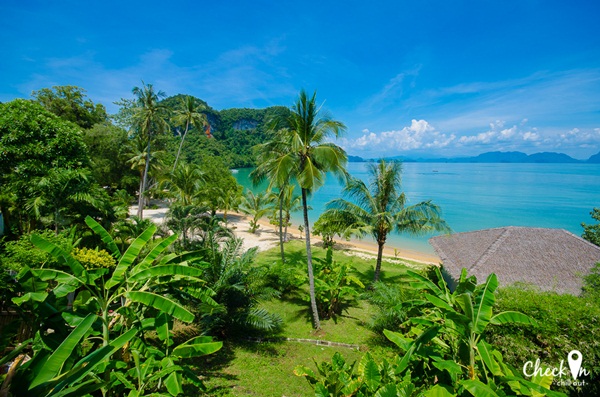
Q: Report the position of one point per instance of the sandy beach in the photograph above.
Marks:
(266, 237)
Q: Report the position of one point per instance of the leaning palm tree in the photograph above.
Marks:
(381, 207)
(187, 114)
(149, 119)
(300, 149)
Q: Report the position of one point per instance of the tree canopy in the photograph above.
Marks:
(34, 140)
(70, 103)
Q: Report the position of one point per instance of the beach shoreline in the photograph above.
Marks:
(267, 237)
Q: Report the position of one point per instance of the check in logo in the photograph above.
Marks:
(575, 361)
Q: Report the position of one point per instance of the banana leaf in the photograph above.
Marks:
(167, 270)
(55, 362)
(163, 304)
(129, 257)
(105, 236)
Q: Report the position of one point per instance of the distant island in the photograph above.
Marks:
(496, 157)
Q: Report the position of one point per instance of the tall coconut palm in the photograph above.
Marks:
(300, 149)
(381, 207)
(187, 114)
(149, 119)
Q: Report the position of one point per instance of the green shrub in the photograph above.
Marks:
(388, 300)
(283, 277)
(21, 253)
(564, 323)
(591, 284)
(445, 353)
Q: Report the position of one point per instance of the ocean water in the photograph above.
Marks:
(482, 196)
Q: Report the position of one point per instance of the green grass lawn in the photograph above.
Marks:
(244, 368)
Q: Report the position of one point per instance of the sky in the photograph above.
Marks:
(417, 78)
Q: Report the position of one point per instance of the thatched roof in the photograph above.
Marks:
(553, 259)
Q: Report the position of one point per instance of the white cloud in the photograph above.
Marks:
(419, 135)
(422, 138)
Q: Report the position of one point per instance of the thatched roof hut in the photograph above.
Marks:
(553, 259)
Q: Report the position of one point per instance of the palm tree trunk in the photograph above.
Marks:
(285, 233)
(187, 126)
(380, 244)
(281, 229)
(311, 277)
(56, 215)
(144, 183)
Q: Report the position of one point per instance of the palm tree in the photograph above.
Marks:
(256, 205)
(184, 183)
(380, 208)
(61, 192)
(291, 203)
(185, 219)
(188, 114)
(149, 119)
(300, 150)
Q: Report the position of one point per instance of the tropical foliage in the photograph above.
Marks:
(380, 208)
(70, 103)
(238, 289)
(336, 287)
(592, 232)
(444, 353)
(300, 150)
(100, 337)
(255, 205)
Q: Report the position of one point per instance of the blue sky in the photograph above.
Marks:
(418, 78)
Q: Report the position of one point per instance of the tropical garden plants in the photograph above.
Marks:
(92, 325)
(336, 286)
(443, 354)
(239, 288)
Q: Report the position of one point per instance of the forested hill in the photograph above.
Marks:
(233, 132)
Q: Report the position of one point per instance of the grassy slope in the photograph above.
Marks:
(266, 369)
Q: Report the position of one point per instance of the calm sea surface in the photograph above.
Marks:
(481, 196)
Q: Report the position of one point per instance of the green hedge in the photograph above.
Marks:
(565, 323)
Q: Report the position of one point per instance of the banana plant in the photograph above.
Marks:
(448, 339)
(334, 285)
(127, 300)
(369, 378)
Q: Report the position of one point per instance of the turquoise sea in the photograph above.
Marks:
(482, 196)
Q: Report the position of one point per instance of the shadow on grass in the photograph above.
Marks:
(265, 349)
(214, 363)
